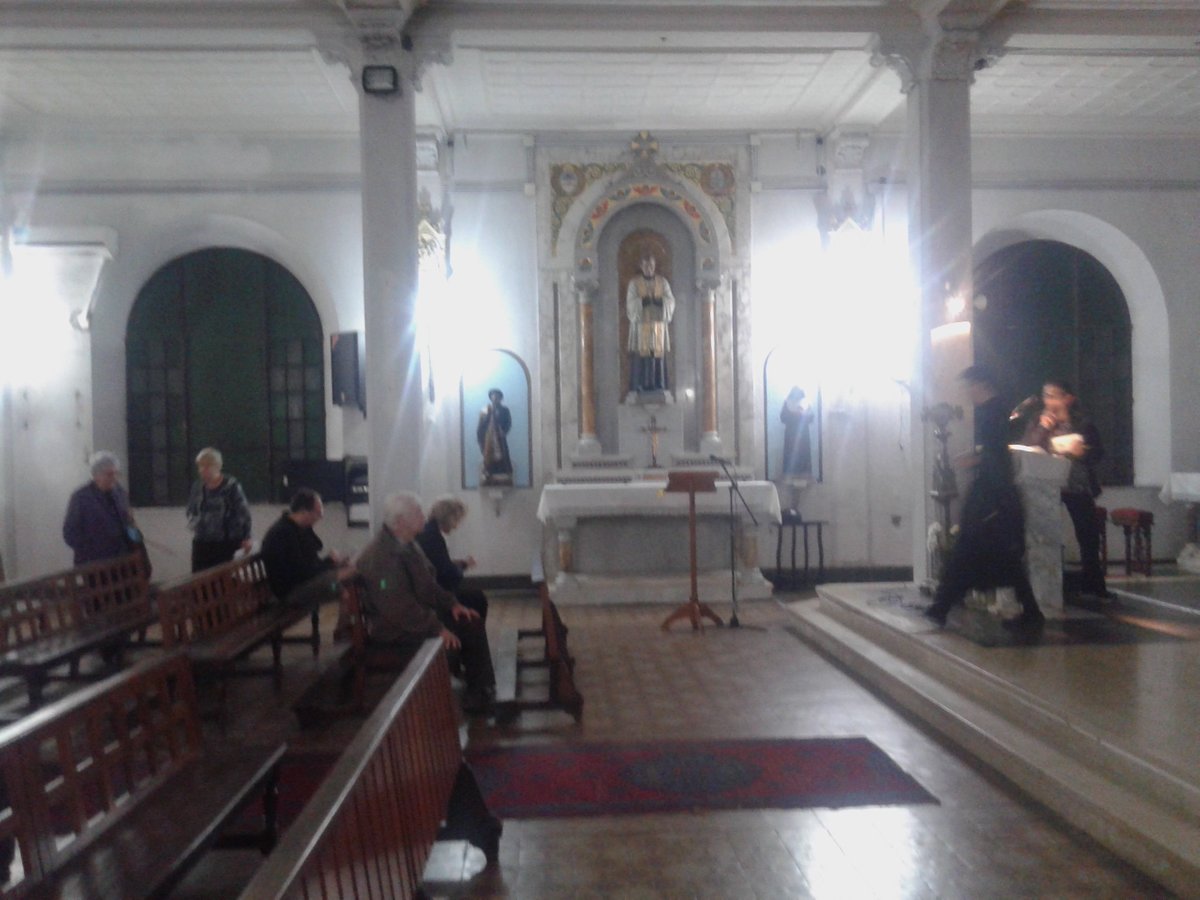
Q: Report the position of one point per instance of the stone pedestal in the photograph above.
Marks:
(1040, 478)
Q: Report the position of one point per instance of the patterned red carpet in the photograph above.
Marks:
(664, 776)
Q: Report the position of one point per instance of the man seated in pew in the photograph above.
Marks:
(404, 605)
(291, 551)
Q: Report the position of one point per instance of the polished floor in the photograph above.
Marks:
(982, 839)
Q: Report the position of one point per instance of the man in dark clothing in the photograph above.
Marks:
(98, 524)
(1062, 430)
(990, 548)
(404, 604)
(291, 551)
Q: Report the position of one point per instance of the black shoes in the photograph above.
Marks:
(479, 701)
(1028, 621)
(934, 615)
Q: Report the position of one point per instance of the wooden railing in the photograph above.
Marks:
(368, 830)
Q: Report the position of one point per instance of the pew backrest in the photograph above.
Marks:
(213, 602)
(368, 830)
(108, 591)
(72, 769)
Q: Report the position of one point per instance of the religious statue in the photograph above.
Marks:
(650, 306)
(495, 420)
(797, 418)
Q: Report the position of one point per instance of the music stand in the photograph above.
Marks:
(692, 483)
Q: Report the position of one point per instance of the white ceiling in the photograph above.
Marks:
(1068, 66)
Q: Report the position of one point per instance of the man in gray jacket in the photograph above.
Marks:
(404, 605)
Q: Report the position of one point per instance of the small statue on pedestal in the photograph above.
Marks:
(495, 421)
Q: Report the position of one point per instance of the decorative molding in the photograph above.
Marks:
(953, 57)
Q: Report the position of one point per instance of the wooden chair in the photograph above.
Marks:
(1137, 524)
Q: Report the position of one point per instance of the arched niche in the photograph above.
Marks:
(784, 370)
(503, 370)
(637, 225)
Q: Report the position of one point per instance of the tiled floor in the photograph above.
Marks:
(982, 839)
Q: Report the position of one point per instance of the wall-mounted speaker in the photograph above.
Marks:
(349, 375)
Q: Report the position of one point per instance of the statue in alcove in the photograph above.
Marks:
(495, 421)
(650, 306)
(797, 418)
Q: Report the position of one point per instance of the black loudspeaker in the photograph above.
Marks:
(349, 375)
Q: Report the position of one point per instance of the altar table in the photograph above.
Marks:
(628, 542)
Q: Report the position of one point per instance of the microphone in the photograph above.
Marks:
(720, 459)
(1025, 407)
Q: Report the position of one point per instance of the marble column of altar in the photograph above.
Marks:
(1040, 478)
(710, 439)
(589, 444)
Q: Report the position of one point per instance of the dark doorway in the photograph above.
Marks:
(1051, 310)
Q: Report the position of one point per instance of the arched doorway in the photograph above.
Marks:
(1046, 309)
(224, 348)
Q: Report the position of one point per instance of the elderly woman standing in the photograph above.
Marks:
(445, 515)
(217, 513)
(98, 524)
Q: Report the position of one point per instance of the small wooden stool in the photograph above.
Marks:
(1102, 527)
(1137, 524)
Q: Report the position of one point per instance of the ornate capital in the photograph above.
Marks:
(952, 57)
(899, 55)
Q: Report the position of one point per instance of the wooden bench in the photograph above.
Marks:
(112, 793)
(368, 830)
(342, 689)
(555, 659)
(54, 620)
(222, 615)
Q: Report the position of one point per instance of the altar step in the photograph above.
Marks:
(1139, 808)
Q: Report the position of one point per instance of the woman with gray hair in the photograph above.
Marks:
(444, 516)
(98, 524)
(217, 513)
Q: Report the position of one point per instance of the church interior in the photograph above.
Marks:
(563, 261)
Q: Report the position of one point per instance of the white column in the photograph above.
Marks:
(939, 182)
(387, 124)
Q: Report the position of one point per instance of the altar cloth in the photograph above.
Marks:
(561, 502)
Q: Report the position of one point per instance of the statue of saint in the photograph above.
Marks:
(797, 417)
(495, 420)
(650, 306)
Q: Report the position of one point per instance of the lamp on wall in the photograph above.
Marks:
(380, 80)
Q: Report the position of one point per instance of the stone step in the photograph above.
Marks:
(1138, 809)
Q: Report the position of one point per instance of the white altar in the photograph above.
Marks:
(1185, 486)
(627, 543)
(1040, 478)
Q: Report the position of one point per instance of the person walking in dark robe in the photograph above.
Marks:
(990, 548)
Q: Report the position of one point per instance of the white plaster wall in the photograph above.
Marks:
(311, 225)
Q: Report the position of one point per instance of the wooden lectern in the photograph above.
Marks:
(692, 483)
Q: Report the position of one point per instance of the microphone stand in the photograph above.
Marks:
(733, 489)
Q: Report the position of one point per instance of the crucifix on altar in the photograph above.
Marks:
(653, 430)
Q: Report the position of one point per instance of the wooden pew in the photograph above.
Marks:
(368, 830)
(52, 621)
(222, 615)
(112, 793)
(342, 689)
(555, 658)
